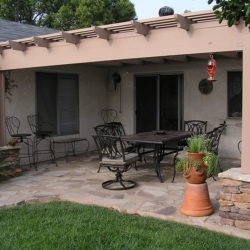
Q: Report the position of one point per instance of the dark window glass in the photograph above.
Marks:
(235, 94)
(57, 101)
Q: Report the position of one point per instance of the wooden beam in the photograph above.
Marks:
(102, 33)
(140, 28)
(41, 42)
(182, 22)
(70, 38)
(17, 46)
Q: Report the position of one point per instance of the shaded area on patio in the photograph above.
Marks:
(77, 180)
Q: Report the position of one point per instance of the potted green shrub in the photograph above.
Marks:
(197, 166)
(200, 163)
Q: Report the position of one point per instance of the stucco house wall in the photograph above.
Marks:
(211, 107)
(92, 96)
(96, 92)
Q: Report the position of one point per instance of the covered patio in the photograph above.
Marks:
(177, 45)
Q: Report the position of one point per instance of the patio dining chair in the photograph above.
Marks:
(42, 132)
(196, 126)
(114, 129)
(112, 155)
(214, 137)
(23, 139)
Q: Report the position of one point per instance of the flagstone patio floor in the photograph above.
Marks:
(76, 180)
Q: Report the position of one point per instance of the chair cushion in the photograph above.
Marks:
(129, 158)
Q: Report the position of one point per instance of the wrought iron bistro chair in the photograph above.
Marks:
(196, 126)
(13, 126)
(114, 129)
(42, 132)
(113, 156)
(214, 137)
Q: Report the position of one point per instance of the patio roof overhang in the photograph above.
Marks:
(155, 40)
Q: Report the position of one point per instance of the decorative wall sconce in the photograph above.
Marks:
(211, 68)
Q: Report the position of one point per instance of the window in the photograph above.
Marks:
(57, 101)
(234, 93)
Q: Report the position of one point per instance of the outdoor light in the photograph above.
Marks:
(211, 68)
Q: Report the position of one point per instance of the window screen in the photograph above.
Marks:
(57, 102)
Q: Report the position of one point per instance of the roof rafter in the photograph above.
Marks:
(102, 33)
(70, 38)
(41, 42)
(140, 28)
(17, 45)
(182, 22)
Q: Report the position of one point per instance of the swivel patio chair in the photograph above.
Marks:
(23, 139)
(114, 129)
(113, 156)
(42, 132)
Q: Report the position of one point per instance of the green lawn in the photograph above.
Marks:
(64, 225)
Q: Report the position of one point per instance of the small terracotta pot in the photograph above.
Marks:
(196, 175)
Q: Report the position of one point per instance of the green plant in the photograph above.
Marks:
(212, 162)
(197, 144)
(184, 165)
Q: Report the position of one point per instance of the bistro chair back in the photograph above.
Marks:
(42, 132)
(116, 128)
(214, 137)
(196, 126)
(113, 156)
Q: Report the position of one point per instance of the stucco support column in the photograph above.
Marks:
(245, 156)
(2, 110)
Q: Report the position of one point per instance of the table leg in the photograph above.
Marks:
(158, 156)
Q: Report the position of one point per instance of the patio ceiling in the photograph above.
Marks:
(169, 59)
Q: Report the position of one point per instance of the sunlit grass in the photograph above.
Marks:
(64, 225)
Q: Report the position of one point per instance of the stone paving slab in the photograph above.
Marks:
(78, 181)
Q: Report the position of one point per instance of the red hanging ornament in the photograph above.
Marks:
(211, 68)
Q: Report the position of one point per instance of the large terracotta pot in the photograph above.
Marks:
(196, 200)
(196, 175)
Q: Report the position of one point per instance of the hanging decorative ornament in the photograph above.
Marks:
(211, 68)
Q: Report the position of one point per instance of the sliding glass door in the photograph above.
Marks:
(159, 101)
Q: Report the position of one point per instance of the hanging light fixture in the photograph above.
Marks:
(211, 68)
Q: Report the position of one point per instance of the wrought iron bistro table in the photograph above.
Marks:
(165, 142)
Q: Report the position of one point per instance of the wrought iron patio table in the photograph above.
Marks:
(160, 140)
